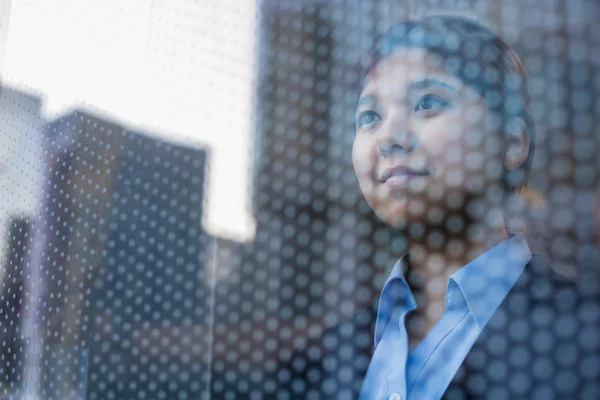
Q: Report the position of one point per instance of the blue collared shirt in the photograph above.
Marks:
(473, 294)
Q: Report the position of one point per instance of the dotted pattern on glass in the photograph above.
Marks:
(208, 199)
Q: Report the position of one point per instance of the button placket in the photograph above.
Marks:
(395, 396)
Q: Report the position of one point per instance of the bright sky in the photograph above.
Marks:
(182, 69)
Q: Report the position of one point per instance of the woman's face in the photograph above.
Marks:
(424, 145)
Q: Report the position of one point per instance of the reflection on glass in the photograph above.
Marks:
(199, 201)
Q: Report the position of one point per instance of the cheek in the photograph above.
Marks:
(362, 159)
(437, 137)
(445, 146)
(448, 140)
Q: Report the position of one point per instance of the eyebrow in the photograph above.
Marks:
(432, 82)
(369, 98)
(366, 99)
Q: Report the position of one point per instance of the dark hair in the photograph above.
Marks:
(475, 55)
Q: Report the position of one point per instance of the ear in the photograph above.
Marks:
(517, 148)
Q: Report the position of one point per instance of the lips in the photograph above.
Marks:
(401, 173)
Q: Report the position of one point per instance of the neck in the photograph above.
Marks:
(434, 256)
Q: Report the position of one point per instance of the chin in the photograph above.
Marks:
(396, 217)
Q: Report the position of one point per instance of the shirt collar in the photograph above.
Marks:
(482, 284)
(485, 281)
(395, 291)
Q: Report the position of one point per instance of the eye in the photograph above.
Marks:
(430, 102)
(366, 118)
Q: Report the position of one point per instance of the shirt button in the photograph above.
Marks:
(395, 396)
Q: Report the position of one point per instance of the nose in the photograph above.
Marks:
(395, 136)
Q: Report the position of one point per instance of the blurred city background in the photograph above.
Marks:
(178, 205)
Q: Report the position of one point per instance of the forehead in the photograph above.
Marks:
(406, 66)
(407, 72)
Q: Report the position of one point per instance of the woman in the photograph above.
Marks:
(443, 145)
(443, 142)
(432, 156)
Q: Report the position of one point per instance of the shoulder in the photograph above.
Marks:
(541, 342)
(331, 363)
(541, 292)
(544, 333)
(341, 342)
